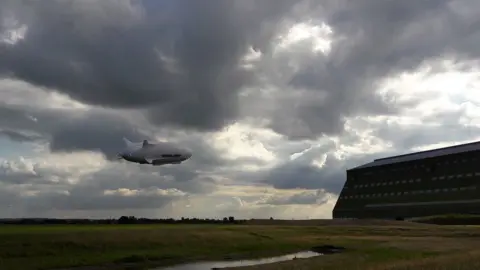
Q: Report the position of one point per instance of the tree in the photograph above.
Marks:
(127, 220)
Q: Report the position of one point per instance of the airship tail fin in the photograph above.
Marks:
(127, 141)
(145, 143)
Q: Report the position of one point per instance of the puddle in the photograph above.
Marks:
(222, 264)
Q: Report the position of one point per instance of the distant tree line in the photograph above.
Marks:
(122, 220)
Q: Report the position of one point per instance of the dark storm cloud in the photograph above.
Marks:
(178, 59)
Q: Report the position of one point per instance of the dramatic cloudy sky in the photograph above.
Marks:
(277, 98)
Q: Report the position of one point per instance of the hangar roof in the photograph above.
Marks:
(456, 149)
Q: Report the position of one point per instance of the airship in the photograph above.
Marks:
(156, 154)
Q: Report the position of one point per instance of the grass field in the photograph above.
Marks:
(383, 245)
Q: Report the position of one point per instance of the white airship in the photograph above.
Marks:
(154, 153)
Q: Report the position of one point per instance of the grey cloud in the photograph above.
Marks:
(404, 138)
(185, 72)
(32, 175)
(11, 173)
(301, 173)
(7, 198)
(102, 130)
(293, 176)
(19, 136)
(79, 201)
(206, 157)
(306, 197)
(45, 201)
(166, 61)
(113, 176)
(446, 117)
(94, 131)
(177, 60)
(15, 118)
(372, 40)
(49, 189)
(447, 135)
(141, 177)
(70, 130)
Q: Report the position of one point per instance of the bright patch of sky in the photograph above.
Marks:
(242, 141)
(318, 35)
(434, 92)
(10, 149)
(13, 31)
(19, 93)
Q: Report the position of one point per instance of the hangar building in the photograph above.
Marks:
(434, 182)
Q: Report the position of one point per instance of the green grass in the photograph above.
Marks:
(451, 219)
(47, 247)
(62, 246)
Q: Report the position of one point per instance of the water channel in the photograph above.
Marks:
(222, 264)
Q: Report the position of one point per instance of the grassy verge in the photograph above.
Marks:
(453, 219)
(60, 246)
(387, 253)
(368, 247)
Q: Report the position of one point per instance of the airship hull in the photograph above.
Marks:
(154, 154)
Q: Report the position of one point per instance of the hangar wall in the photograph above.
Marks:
(440, 181)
